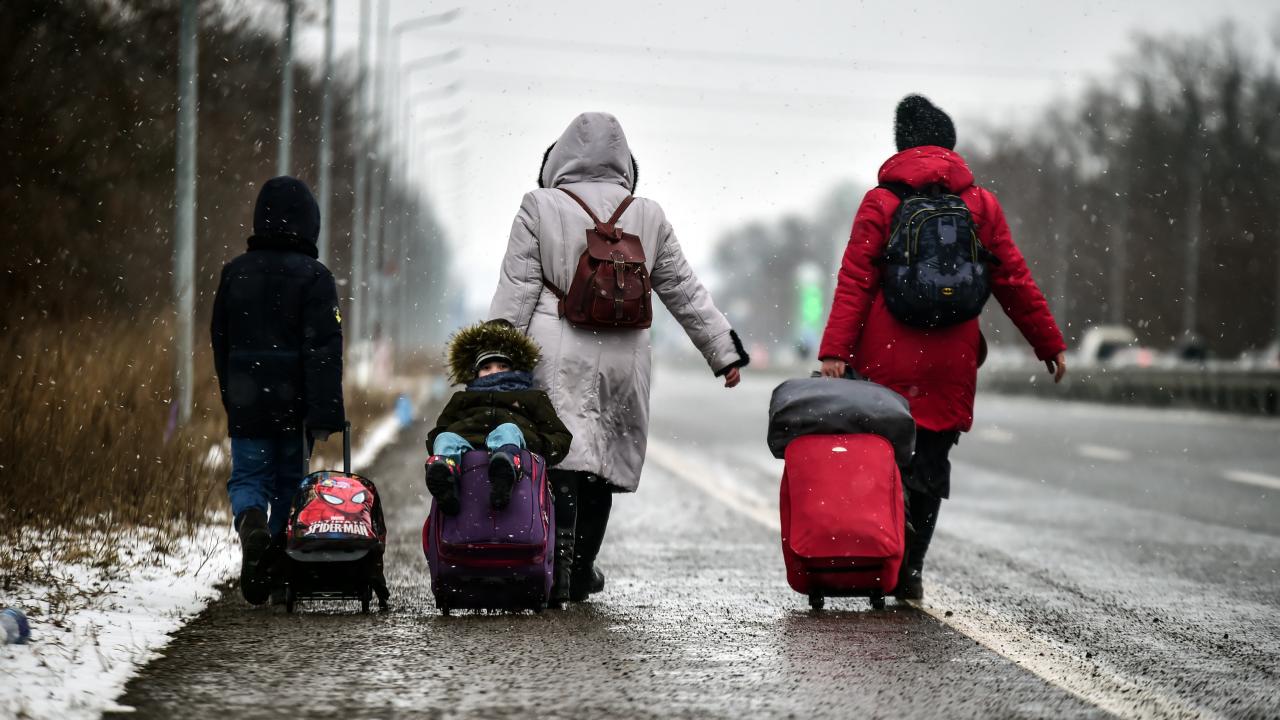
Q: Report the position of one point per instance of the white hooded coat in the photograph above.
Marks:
(599, 380)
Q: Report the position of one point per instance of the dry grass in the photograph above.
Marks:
(87, 436)
(88, 449)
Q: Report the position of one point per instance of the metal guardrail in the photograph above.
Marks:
(1252, 392)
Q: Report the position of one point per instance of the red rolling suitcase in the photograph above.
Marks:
(842, 517)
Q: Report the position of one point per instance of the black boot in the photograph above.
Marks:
(564, 485)
(442, 483)
(595, 500)
(504, 472)
(255, 542)
(563, 578)
(378, 580)
(924, 515)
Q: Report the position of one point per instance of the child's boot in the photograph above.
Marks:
(442, 483)
(504, 471)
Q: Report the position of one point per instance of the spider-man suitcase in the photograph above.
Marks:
(336, 537)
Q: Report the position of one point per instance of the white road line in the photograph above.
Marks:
(1102, 452)
(1054, 662)
(1252, 478)
(702, 477)
(1059, 665)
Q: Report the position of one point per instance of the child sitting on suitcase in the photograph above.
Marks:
(499, 410)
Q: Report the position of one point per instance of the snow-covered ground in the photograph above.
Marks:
(96, 624)
(92, 627)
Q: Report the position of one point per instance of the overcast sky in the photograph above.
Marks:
(736, 110)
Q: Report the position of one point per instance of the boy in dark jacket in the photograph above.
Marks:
(499, 410)
(277, 349)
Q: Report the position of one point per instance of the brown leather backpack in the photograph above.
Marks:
(611, 287)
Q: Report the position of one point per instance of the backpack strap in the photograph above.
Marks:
(581, 204)
(617, 214)
(900, 189)
(604, 228)
(560, 294)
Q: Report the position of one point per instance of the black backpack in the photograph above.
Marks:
(935, 270)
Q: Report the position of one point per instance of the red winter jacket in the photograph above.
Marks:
(936, 370)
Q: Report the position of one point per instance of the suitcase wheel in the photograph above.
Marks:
(877, 602)
(816, 601)
(444, 610)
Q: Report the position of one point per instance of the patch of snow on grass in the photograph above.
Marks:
(82, 652)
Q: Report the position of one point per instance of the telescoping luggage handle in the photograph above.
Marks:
(346, 447)
(849, 373)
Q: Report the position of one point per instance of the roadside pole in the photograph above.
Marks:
(184, 235)
(1195, 203)
(361, 151)
(286, 90)
(378, 179)
(1119, 254)
(326, 139)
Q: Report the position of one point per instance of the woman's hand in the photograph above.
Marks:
(1057, 367)
(732, 378)
(833, 368)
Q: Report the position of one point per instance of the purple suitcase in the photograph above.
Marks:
(490, 559)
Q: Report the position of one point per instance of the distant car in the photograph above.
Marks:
(1101, 343)
(1190, 349)
(1268, 358)
(1140, 357)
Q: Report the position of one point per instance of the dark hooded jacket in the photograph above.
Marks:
(277, 327)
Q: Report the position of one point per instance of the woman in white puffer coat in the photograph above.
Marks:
(598, 380)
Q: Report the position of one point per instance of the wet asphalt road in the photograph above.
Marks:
(1154, 567)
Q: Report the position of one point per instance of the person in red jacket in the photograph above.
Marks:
(936, 369)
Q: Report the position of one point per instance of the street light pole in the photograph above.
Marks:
(378, 177)
(1195, 199)
(326, 141)
(286, 90)
(184, 235)
(359, 271)
(1120, 229)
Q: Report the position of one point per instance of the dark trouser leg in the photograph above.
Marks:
(924, 517)
(595, 501)
(928, 482)
(564, 485)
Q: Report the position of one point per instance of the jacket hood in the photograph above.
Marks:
(286, 209)
(928, 165)
(471, 342)
(592, 149)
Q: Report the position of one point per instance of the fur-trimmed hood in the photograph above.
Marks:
(592, 149)
(469, 342)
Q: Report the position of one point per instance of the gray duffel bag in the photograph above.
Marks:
(831, 406)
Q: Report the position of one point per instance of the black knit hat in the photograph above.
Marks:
(918, 122)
